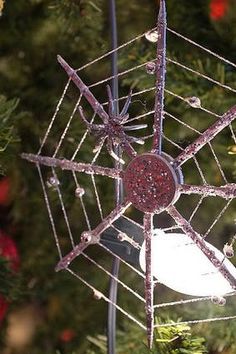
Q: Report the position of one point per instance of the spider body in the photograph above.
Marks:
(150, 183)
(113, 130)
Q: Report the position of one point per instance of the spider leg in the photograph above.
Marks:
(112, 153)
(84, 90)
(127, 147)
(111, 108)
(205, 137)
(149, 286)
(227, 191)
(134, 139)
(82, 116)
(199, 241)
(90, 126)
(160, 79)
(135, 127)
(125, 108)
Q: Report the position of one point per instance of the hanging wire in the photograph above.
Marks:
(111, 319)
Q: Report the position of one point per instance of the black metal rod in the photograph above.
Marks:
(111, 320)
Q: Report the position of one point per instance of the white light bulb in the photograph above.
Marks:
(178, 263)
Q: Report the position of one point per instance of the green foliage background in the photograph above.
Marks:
(32, 33)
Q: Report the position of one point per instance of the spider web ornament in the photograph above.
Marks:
(153, 181)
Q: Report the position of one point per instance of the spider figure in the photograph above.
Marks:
(113, 130)
(152, 181)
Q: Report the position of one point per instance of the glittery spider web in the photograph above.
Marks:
(76, 142)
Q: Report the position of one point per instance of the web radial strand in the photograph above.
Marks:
(49, 212)
(218, 218)
(82, 202)
(67, 126)
(125, 286)
(106, 299)
(54, 116)
(206, 320)
(63, 208)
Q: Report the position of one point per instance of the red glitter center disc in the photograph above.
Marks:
(150, 183)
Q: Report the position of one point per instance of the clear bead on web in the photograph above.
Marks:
(97, 295)
(218, 300)
(79, 192)
(152, 36)
(194, 101)
(53, 182)
(150, 67)
(228, 250)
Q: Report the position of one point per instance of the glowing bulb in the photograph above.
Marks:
(179, 264)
